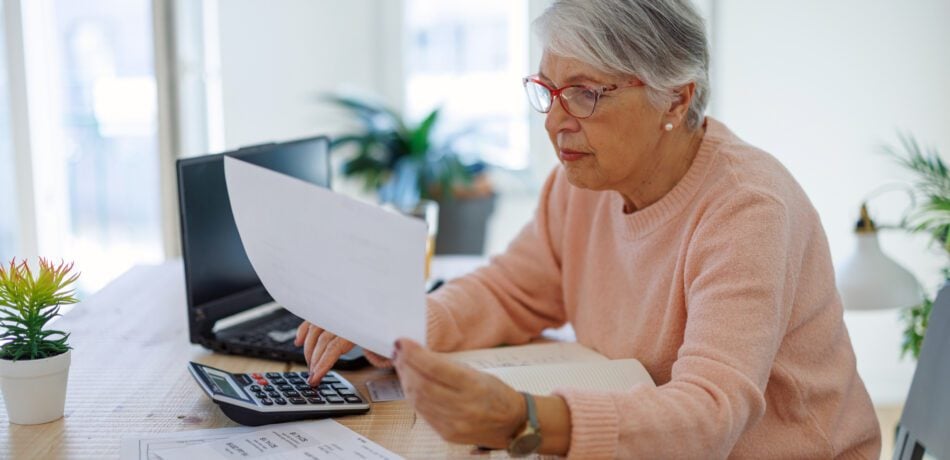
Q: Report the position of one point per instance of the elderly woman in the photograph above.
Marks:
(662, 237)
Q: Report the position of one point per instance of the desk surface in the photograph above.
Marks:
(128, 375)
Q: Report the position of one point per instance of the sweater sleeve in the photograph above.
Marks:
(738, 285)
(515, 297)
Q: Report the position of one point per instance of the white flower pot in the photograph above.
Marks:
(34, 391)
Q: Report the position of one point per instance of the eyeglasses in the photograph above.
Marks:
(577, 100)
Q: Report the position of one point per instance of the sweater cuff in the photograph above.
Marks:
(594, 423)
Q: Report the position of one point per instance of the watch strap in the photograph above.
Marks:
(532, 412)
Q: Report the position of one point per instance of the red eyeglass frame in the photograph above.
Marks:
(556, 92)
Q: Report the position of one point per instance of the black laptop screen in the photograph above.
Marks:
(216, 266)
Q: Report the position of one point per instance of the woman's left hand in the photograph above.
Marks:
(462, 404)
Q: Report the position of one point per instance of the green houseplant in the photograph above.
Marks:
(34, 359)
(931, 216)
(404, 162)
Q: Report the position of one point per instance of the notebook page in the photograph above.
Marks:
(527, 355)
(616, 375)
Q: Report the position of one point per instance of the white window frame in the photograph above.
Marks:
(39, 215)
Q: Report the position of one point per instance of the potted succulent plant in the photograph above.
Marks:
(34, 360)
(405, 163)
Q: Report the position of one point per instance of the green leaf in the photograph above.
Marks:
(419, 140)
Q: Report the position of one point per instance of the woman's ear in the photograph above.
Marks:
(682, 98)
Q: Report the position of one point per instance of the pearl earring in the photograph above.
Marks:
(668, 126)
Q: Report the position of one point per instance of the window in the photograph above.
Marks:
(93, 63)
(8, 197)
(468, 57)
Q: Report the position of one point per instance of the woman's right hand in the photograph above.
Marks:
(322, 348)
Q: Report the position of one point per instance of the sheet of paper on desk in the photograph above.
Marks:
(287, 441)
(145, 446)
(350, 267)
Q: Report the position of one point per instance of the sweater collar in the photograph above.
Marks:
(644, 221)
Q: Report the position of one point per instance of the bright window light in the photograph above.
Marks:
(468, 57)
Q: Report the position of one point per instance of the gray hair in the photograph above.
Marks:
(661, 42)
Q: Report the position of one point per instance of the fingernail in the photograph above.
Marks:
(398, 347)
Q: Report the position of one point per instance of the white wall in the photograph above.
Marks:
(278, 56)
(821, 85)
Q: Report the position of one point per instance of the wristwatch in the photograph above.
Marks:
(528, 440)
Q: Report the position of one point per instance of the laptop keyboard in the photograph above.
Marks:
(283, 327)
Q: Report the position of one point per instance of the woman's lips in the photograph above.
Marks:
(572, 155)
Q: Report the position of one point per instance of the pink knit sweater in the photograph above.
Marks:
(723, 289)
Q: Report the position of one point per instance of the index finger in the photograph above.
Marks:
(301, 333)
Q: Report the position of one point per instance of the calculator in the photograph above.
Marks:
(262, 398)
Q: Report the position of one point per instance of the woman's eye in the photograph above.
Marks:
(588, 94)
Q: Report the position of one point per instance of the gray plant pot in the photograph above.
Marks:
(462, 225)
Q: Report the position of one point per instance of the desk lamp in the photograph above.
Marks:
(869, 279)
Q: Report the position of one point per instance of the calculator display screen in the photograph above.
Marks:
(224, 385)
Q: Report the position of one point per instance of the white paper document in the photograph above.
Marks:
(146, 446)
(320, 439)
(352, 268)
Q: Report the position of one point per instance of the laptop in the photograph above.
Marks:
(229, 310)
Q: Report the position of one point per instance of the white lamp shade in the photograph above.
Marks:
(869, 280)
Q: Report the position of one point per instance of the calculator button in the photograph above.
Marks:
(257, 376)
(267, 402)
(352, 399)
(278, 382)
(273, 394)
(325, 386)
(345, 392)
(305, 375)
(255, 388)
(291, 394)
(284, 387)
(328, 392)
(268, 387)
(308, 393)
(303, 387)
(316, 401)
(334, 399)
(280, 401)
(273, 375)
(298, 401)
(339, 386)
(290, 375)
(329, 379)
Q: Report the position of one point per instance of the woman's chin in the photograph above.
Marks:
(581, 177)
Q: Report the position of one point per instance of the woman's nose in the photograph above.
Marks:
(559, 120)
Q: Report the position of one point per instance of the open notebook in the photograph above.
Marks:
(540, 368)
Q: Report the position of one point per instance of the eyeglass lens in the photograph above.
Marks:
(538, 96)
(578, 101)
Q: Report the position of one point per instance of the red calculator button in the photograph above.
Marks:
(257, 376)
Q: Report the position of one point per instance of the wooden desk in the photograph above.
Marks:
(128, 375)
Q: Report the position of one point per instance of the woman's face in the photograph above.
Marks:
(613, 148)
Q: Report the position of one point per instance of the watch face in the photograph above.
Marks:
(526, 444)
